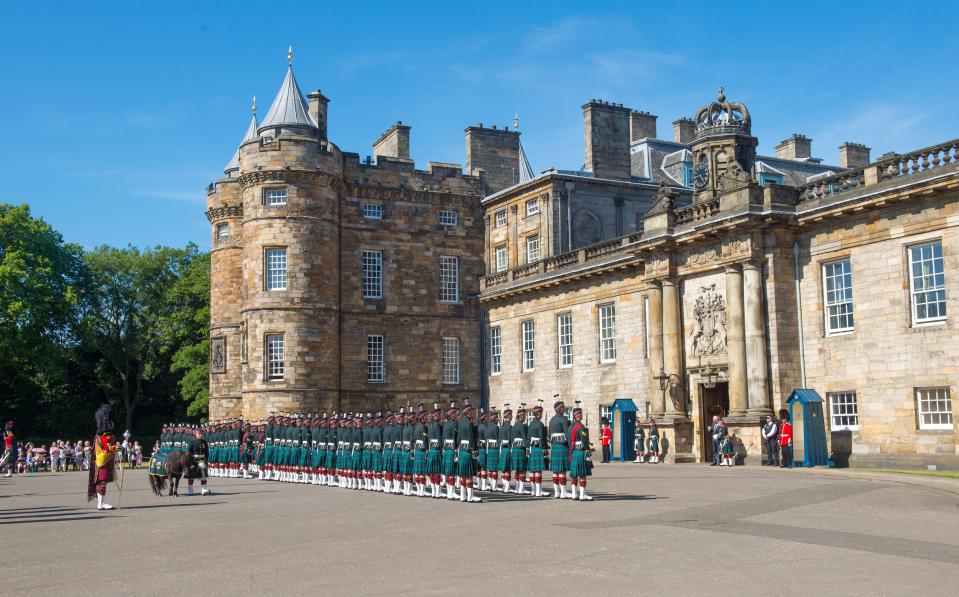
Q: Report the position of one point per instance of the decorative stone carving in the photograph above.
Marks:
(218, 355)
(709, 328)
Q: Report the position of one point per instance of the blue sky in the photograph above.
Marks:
(117, 116)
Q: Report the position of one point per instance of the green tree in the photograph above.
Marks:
(187, 333)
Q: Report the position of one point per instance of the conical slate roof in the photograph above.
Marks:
(289, 109)
(250, 134)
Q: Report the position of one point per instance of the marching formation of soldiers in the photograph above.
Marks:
(446, 452)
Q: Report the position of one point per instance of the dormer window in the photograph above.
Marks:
(768, 178)
(274, 197)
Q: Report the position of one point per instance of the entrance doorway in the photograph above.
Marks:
(713, 402)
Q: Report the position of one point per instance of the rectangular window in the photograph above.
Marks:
(500, 218)
(927, 282)
(935, 408)
(449, 279)
(375, 360)
(837, 286)
(451, 360)
(448, 218)
(607, 333)
(843, 411)
(502, 257)
(372, 274)
(564, 340)
(529, 346)
(274, 196)
(372, 211)
(532, 207)
(276, 269)
(274, 356)
(606, 413)
(532, 249)
(495, 351)
(222, 230)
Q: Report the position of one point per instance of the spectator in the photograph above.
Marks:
(714, 435)
(137, 455)
(771, 436)
(87, 454)
(607, 437)
(786, 443)
(64, 450)
(54, 455)
(78, 456)
(721, 438)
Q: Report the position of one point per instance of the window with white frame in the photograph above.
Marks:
(274, 356)
(451, 360)
(934, 408)
(532, 207)
(495, 351)
(500, 218)
(222, 230)
(529, 346)
(837, 288)
(927, 282)
(373, 211)
(448, 218)
(606, 412)
(449, 279)
(564, 340)
(843, 411)
(274, 197)
(276, 269)
(375, 360)
(502, 258)
(607, 333)
(372, 274)
(532, 249)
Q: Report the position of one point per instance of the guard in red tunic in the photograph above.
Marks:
(786, 443)
(9, 459)
(105, 452)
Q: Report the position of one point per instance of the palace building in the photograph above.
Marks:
(697, 278)
(346, 284)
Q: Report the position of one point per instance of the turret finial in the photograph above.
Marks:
(254, 105)
(289, 55)
(516, 121)
(721, 97)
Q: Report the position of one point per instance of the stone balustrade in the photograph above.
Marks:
(697, 211)
(895, 166)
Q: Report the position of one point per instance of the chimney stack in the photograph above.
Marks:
(394, 143)
(319, 105)
(495, 153)
(853, 155)
(684, 130)
(641, 125)
(607, 135)
(797, 147)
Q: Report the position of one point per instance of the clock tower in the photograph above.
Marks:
(724, 150)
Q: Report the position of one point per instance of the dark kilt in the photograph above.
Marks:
(449, 462)
(376, 461)
(433, 461)
(504, 460)
(367, 461)
(481, 459)
(419, 462)
(342, 459)
(517, 459)
(330, 459)
(537, 462)
(356, 460)
(465, 465)
(578, 466)
(397, 462)
(558, 459)
(492, 459)
(406, 462)
(386, 461)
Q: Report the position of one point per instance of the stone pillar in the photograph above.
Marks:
(673, 350)
(736, 341)
(513, 257)
(655, 324)
(490, 253)
(546, 242)
(756, 372)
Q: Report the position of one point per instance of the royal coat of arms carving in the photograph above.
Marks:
(709, 323)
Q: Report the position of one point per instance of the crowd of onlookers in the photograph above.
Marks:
(64, 456)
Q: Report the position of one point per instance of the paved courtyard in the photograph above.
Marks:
(663, 530)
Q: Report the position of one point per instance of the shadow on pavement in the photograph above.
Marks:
(68, 518)
(172, 504)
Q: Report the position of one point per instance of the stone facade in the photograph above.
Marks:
(323, 225)
(705, 293)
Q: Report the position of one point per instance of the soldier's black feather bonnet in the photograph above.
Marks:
(104, 418)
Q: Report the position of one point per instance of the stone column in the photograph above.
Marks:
(736, 341)
(673, 350)
(513, 257)
(756, 372)
(655, 323)
(546, 242)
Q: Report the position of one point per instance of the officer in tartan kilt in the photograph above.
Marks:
(398, 450)
(465, 465)
(558, 450)
(331, 431)
(449, 450)
(317, 449)
(366, 461)
(536, 433)
(419, 451)
(492, 449)
(434, 438)
(580, 462)
(406, 454)
(356, 452)
(388, 437)
(481, 448)
(519, 443)
(505, 452)
(376, 448)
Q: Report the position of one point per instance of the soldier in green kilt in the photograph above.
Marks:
(519, 443)
(317, 451)
(558, 449)
(639, 442)
(356, 453)
(342, 449)
(537, 444)
(434, 438)
(406, 457)
(503, 441)
(266, 462)
(366, 462)
(419, 451)
(653, 442)
(492, 450)
(580, 461)
(481, 448)
(388, 432)
(465, 465)
(449, 451)
(398, 425)
(376, 447)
